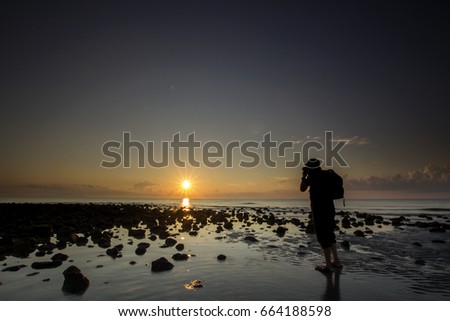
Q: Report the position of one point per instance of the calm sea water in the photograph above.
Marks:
(371, 206)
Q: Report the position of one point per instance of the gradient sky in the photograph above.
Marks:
(76, 74)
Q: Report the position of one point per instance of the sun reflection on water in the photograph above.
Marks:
(186, 203)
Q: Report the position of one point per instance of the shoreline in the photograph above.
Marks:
(401, 253)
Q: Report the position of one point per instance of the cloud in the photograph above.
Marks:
(355, 140)
(431, 178)
(60, 191)
(144, 186)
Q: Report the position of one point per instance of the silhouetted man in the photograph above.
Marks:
(323, 212)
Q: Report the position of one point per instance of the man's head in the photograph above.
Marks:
(312, 165)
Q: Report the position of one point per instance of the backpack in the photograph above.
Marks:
(335, 185)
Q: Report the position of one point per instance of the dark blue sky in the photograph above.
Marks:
(76, 74)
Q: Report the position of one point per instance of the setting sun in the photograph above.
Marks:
(186, 184)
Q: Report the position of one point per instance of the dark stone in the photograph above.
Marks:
(59, 257)
(180, 257)
(104, 243)
(113, 252)
(45, 265)
(345, 222)
(170, 242)
(40, 253)
(144, 245)
(74, 281)
(33, 274)
(14, 268)
(345, 244)
(81, 241)
(193, 233)
(250, 239)
(438, 241)
(161, 264)
(359, 233)
(153, 237)
(42, 230)
(221, 257)
(281, 231)
(119, 247)
(180, 247)
(310, 229)
(228, 225)
(140, 250)
(138, 233)
(132, 262)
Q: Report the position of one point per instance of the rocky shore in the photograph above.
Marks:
(37, 231)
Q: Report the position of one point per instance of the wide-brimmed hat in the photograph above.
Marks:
(313, 163)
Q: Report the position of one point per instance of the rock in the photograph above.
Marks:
(161, 264)
(144, 245)
(193, 285)
(170, 242)
(119, 247)
(345, 222)
(193, 233)
(104, 243)
(180, 247)
(438, 241)
(74, 281)
(40, 253)
(59, 257)
(180, 257)
(137, 233)
(133, 262)
(81, 241)
(42, 230)
(23, 248)
(281, 231)
(14, 268)
(359, 233)
(250, 239)
(140, 250)
(345, 244)
(45, 265)
(153, 237)
(113, 252)
(310, 229)
(221, 257)
(228, 225)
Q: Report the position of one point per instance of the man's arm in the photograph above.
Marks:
(304, 184)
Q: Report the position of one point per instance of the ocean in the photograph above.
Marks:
(389, 207)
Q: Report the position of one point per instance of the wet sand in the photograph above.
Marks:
(216, 254)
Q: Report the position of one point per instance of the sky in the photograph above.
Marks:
(76, 75)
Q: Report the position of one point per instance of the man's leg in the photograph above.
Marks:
(336, 261)
(327, 254)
